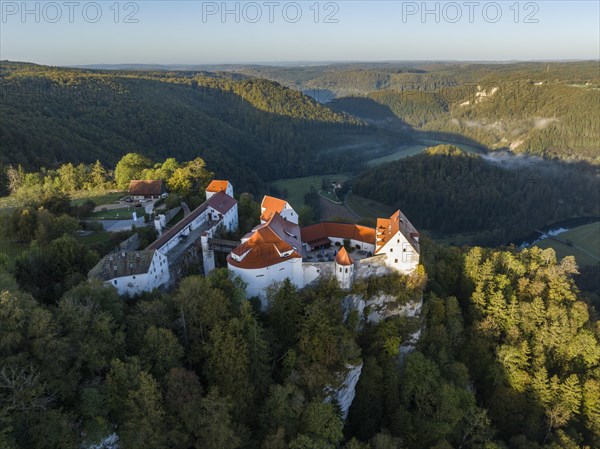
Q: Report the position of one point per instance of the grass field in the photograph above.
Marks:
(96, 237)
(298, 187)
(367, 208)
(585, 242)
(98, 198)
(123, 213)
(416, 149)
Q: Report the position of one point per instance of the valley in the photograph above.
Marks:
(168, 332)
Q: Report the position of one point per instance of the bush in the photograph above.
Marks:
(172, 201)
(86, 209)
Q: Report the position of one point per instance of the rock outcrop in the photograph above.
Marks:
(344, 395)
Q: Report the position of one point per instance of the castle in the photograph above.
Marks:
(166, 260)
(275, 250)
(278, 249)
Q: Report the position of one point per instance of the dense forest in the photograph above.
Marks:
(508, 358)
(448, 191)
(50, 116)
(546, 118)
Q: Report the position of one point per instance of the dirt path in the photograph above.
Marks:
(330, 210)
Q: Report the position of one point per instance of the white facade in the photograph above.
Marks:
(314, 270)
(157, 276)
(288, 213)
(228, 189)
(357, 244)
(390, 250)
(230, 219)
(259, 279)
(174, 240)
(344, 275)
(400, 254)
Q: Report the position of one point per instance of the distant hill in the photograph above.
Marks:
(543, 108)
(245, 128)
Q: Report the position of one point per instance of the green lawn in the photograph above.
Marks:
(123, 213)
(98, 198)
(367, 208)
(298, 187)
(416, 149)
(95, 237)
(585, 242)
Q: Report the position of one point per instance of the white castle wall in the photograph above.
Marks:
(312, 270)
(259, 279)
(357, 244)
(400, 254)
(195, 224)
(229, 220)
(157, 275)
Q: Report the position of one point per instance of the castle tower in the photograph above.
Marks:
(344, 269)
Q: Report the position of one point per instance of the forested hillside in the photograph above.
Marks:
(53, 115)
(509, 358)
(447, 191)
(547, 109)
(546, 118)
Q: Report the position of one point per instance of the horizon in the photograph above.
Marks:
(295, 33)
(299, 64)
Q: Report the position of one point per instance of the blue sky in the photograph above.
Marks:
(196, 32)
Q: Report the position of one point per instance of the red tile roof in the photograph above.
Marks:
(318, 233)
(271, 205)
(146, 187)
(343, 258)
(387, 228)
(217, 186)
(267, 244)
(221, 202)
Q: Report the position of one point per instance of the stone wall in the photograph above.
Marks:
(131, 244)
(371, 266)
(313, 270)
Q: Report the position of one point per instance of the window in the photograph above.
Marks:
(391, 250)
(134, 277)
(115, 282)
(260, 275)
(340, 269)
(395, 260)
(346, 270)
